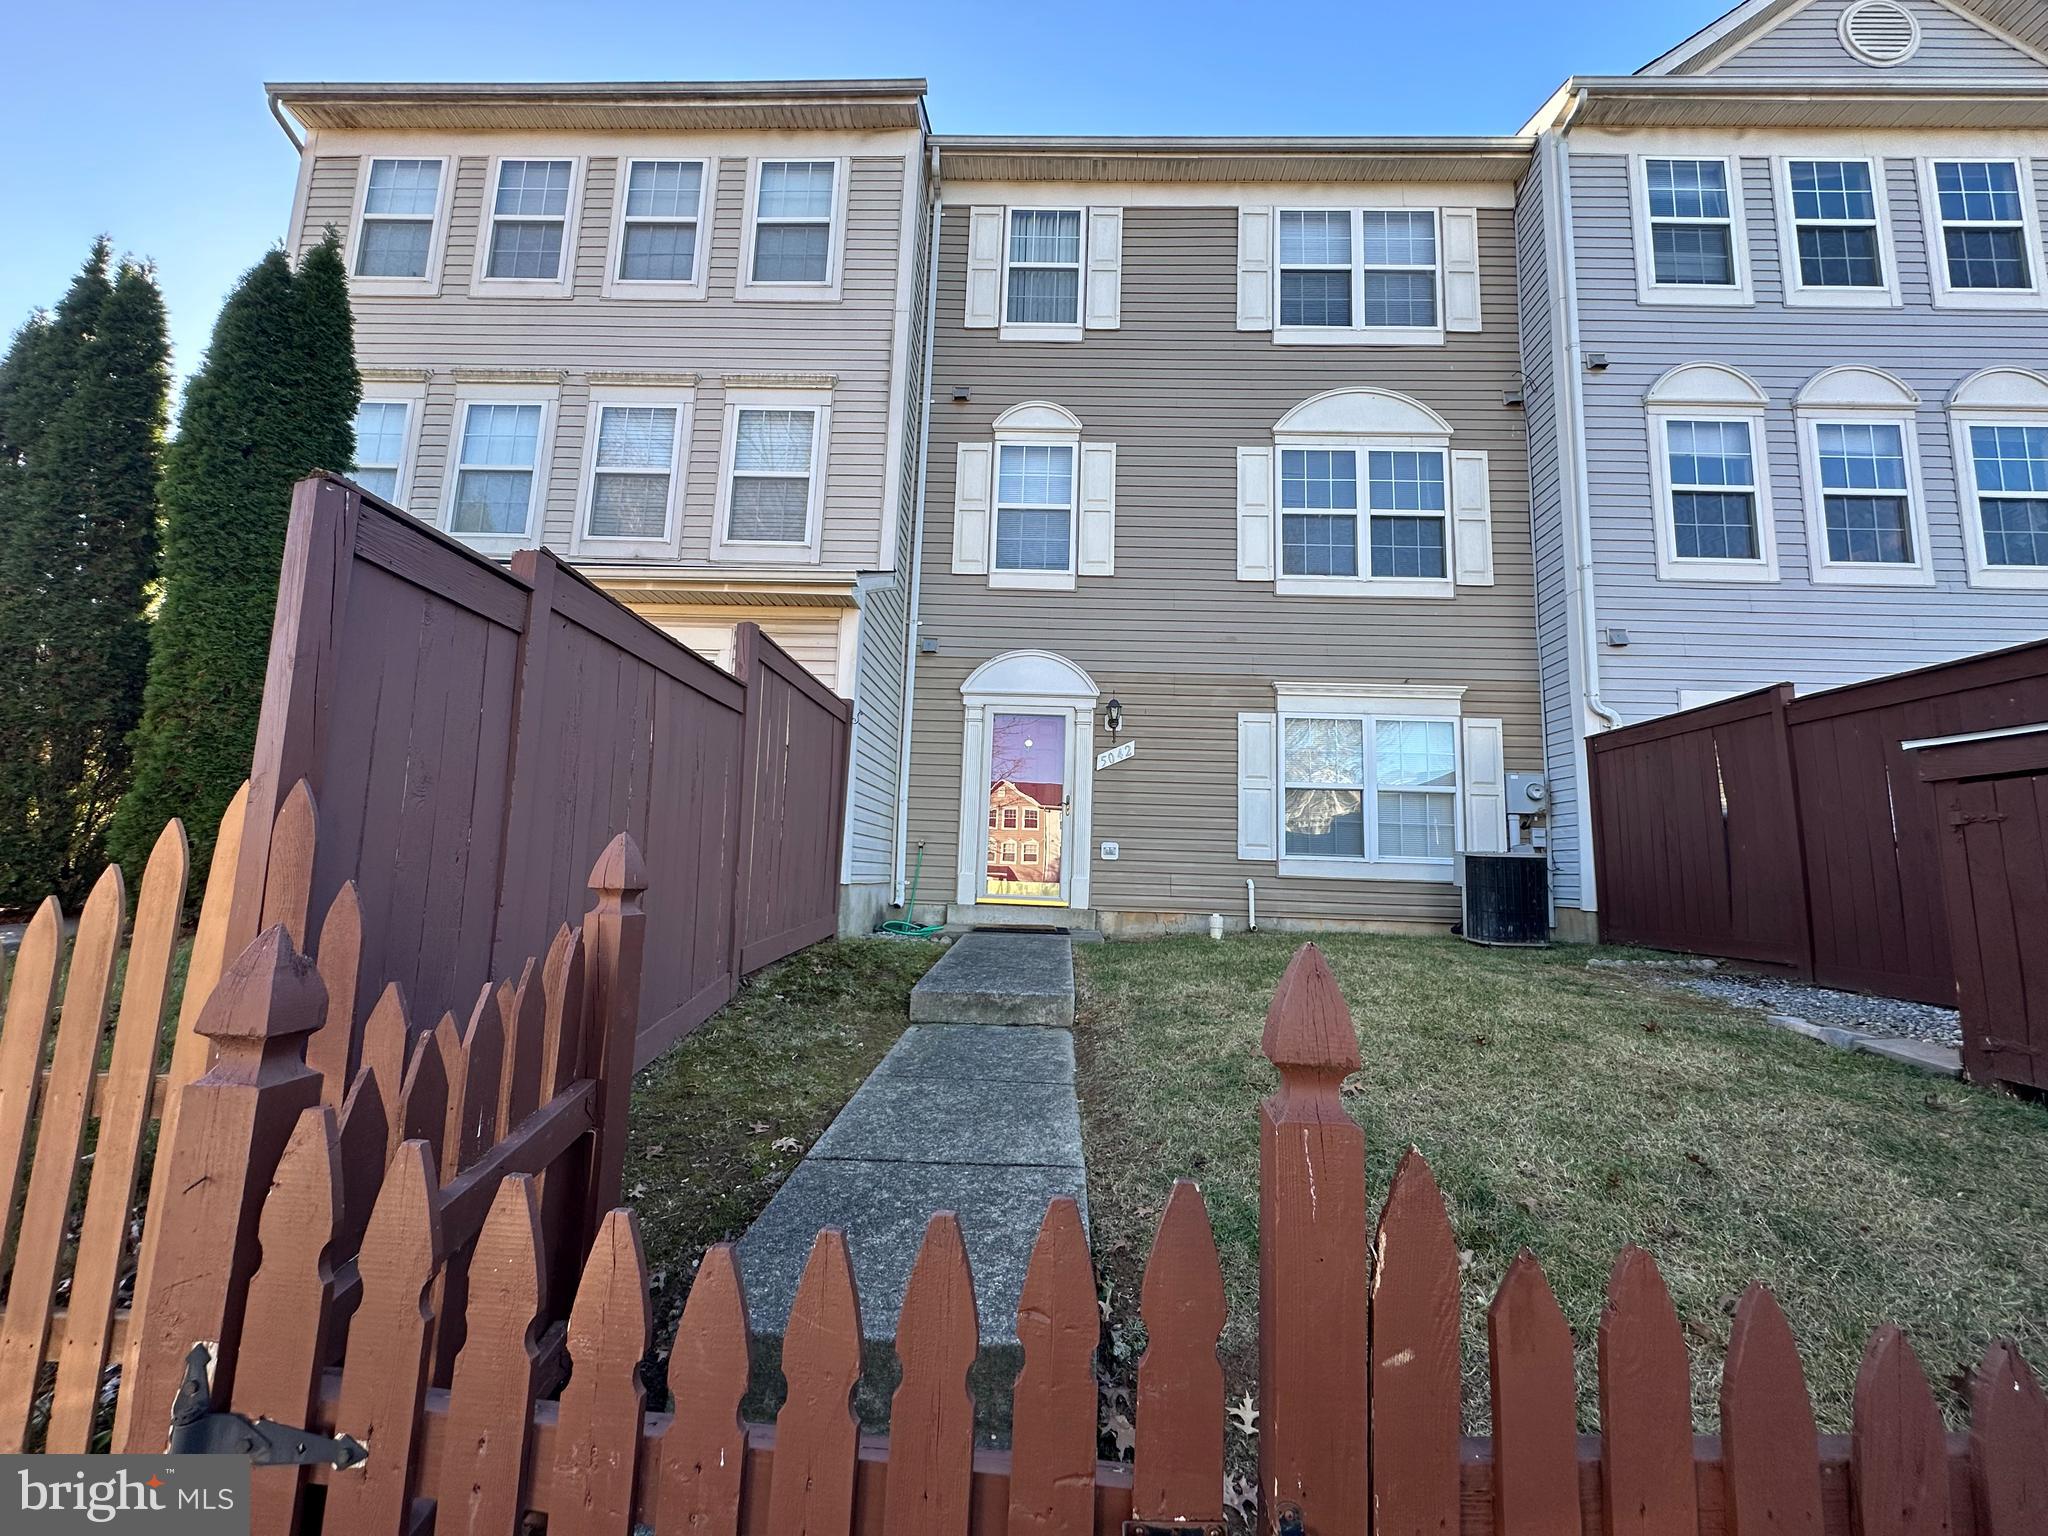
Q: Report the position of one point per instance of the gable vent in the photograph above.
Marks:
(1880, 32)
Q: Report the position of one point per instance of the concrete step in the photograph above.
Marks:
(1000, 978)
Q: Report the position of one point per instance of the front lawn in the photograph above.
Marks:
(1571, 1109)
(721, 1120)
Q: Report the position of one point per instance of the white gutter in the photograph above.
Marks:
(924, 440)
(1581, 588)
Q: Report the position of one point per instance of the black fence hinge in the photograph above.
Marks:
(197, 1430)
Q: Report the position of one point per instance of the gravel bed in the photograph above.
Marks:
(1823, 1005)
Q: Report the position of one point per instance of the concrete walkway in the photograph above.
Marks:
(976, 1118)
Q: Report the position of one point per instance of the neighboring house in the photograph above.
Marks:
(672, 332)
(1785, 327)
(1226, 466)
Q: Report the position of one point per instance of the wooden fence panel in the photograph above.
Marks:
(2008, 1443)
(1415, 1388)
(1178, 1471)
(1796, 832)
(703, 1453)
(1645, 1405)
(1899, 1452)
(475, 736)
(604, 1404)
(490, 1405)
(1535, 1402)
(1769, 1446)
(816, 1434)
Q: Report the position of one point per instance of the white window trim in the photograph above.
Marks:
(1670, 565)
(1364, 584)
(1798, 293)
(1011, 330)
(1319, 701)
(2011, 578)
(548, 398)
(617, 287)
(1849, 573)
(745, 287)
(669, 547)
(563, 284)
(424, 287)
(1042, 581)
(759, 551)
(1742, 292)
(1946, 297)
(1358, 333)
(412, 394)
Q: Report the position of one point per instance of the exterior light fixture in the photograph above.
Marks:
(1113, 716)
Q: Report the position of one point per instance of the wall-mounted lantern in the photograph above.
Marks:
(1113, 716)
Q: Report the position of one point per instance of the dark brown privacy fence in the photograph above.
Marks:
(1358, 1427)
(1795, 832)
(474, 736)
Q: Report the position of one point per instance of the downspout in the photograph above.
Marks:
(924, 439)
(277, 111)
(1582, 590)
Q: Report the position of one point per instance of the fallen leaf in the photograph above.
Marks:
(1244, 1415)
(786, 1144)
(761, 1127)
(1240, 1494)
(1123, 1433)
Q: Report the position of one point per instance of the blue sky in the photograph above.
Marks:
(153, 129)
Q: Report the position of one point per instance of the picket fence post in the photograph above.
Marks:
(232, 1127)
(1312, 1267)
(615, 940)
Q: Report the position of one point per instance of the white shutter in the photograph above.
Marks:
(1096, 554)
(1472, 519)
(1258, 784)
(984, 268)
(1255, 269)
(1105, 269)
(971, 508)
(1254, 514)
(1461, 269)
(1485, 788)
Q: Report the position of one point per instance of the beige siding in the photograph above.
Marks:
(850, 339)
(1173, 633)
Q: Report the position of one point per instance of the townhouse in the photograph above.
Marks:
(672, 332)
(1225, 569)
(1785, 328)
(1227, 526)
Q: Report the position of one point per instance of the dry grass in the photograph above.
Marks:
(1572, 1109)
(720, 1121)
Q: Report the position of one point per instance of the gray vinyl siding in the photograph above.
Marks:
(1541, 330)
(711, 337)
(1723, 635)
(1810, 44)
(1174, 634)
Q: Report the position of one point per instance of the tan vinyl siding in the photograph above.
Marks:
(1173, 634)
(850, 339)
(1810, 44)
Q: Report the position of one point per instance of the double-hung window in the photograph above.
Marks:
(1860, 472)
(770, 502)
(1711, 476)
(2010, 465)
(1988, 242)
(1691, 246)
(496, 482)
(400, 221)
(1361, 274)
(528, 240)
(1042, 267)
(1034, 512)
(1713, 479)
(660, 245)
(1403, 516)
(792, 240)
(1368, 788)
(1836, 233)
(383, 429)
(632, 480)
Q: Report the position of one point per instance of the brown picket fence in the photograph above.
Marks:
(1359, 1425)
(526, 1083)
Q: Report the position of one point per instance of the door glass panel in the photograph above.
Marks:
(1027, 806)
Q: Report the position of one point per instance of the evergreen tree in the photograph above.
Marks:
(82, 400)
(275, 399)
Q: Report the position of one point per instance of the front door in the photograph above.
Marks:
(1029, 777)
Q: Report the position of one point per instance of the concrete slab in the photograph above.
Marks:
(1927, 1055)
(982, 1053)
(883, 1208)
(950, 1120)
(999, 978)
